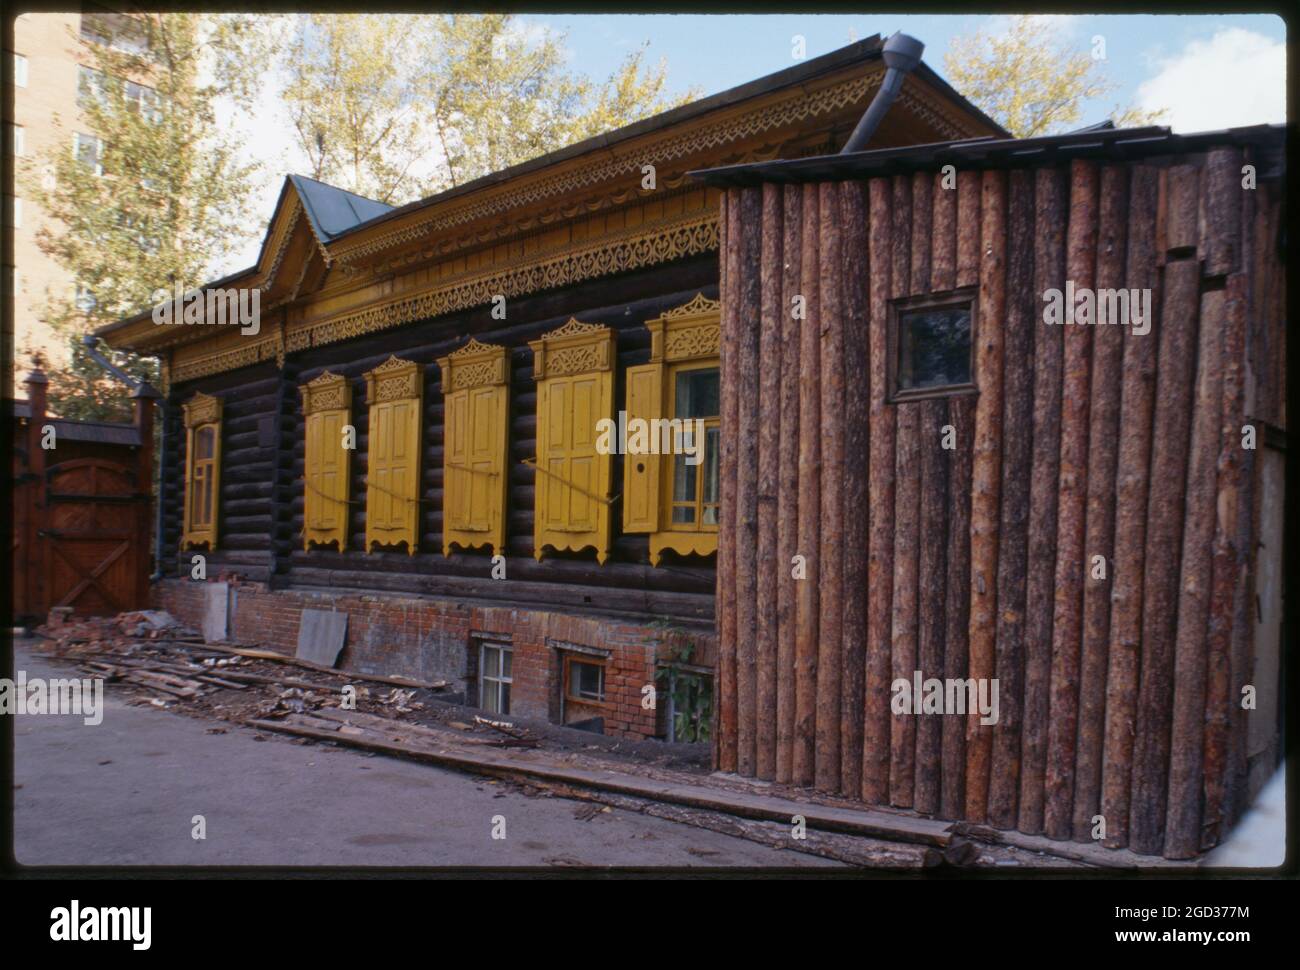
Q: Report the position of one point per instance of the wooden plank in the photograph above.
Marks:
(1131, 482)
(1099, 537)
(880, 486)
(1067, 615)
(1017, 456)
(956, 640)
(748, 296)
(769, 443)
(932, 600)
(728, 226)
(1229, 582)
(906, 524)
(986, 479)
(807, 610)
(1187, 730)
(1171, 433)
(788, 502)
(1050, 202)
(857, 418)
(528, 764)
(831, 556)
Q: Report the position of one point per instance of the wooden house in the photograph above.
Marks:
(994, 474)
(477, 531)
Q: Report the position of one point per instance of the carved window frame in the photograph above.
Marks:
(200, 412)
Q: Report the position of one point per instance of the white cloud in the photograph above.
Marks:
(1235, 78)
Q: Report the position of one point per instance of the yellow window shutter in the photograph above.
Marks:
(476, 424)
(327, 404)
(395, 390)
(641, 472)
(202, 500)
(574, 368)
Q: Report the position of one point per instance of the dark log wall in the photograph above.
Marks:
(263, 463)
(1086, 541)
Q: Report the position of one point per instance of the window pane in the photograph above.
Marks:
(683, 479)
(587, 680)
(697, 394)
(203, 441)
(506, 656)
(934, 347)
(712, 437)
(489, 663)
(504, 707)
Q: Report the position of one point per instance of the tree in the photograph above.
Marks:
(399, 107)
(150, 195)
(1028, 81)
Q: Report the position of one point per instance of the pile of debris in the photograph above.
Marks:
(168, 664)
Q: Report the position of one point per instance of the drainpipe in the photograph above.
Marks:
(902, 53)
(143, 393)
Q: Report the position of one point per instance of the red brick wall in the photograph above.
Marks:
(430, 639)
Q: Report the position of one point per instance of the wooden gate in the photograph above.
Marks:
(95, 536)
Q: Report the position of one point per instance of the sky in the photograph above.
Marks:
(1206, 70)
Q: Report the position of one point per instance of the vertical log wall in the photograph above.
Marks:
(1083, 540)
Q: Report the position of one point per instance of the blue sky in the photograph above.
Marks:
(715, 52)
(1207, 70)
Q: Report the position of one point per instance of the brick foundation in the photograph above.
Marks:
(432, 639)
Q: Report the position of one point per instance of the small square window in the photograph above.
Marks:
(932, 344)
(494, 679)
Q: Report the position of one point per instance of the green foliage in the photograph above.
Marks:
(398, 107)
(153, 194)
(1029, 82)
(690, 692)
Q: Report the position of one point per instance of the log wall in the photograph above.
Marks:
(263, 458)
(1083, 542)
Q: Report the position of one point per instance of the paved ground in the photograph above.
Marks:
(125, 792)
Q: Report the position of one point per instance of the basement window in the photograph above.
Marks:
(584, 680)
(931, 345)
(494, 677)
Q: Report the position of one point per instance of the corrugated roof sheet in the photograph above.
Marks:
(1096, 142)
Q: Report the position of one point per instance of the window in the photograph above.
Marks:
(695, 473)
(90, 85)
(395, 390)
(494, 679)
(13, 211)
(932, 344)
(202, 419)
(685, 703)
(574, 370)
(89, 151)
(327, 406)
(93, 31)
(118, 31)
(476, 392)
(143, 100)
(672, 493)
(584, 679)
(20, 70)
(16, 145)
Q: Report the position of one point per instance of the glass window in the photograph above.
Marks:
(494, 681)
(89, 151)
(90, 84)
(934, 347)
(20, 70)
(695, 465)
(586, 680)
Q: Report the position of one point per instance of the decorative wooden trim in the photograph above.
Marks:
(394, 378)
(574, 348)
(201, 409)
(474, 365)
(688, 332)
(328, 392)
(683, 543)
(635, 248)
